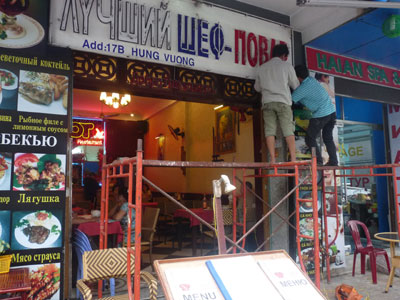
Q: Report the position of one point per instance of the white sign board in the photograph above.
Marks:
(176, 32)
(394, 137)
(289, 280)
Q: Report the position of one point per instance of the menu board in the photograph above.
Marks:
(35, 100)
(335, 235)
(306, 221)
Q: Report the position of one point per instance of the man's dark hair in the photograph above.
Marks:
(279, 50)
(302, 71)
(318, 76)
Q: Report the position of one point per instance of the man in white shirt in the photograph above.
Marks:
(274, 80)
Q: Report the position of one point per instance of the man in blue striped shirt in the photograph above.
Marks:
(313, 95)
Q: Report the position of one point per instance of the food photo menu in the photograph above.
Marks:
(35, 114)
(34, 120)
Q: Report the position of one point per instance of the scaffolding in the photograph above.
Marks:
(132, 168)
(385, 170)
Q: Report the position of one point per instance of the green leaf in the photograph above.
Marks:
(22, 223)
(3, 35)
(55, 230)
(15, 181)
(38, 185)
(45, 158)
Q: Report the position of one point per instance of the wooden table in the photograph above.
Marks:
(206, 214)
(15, 281)
(393, 238)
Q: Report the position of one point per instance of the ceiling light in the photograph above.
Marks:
(349, 3)
(219, 106)
(114, 100)
(132, 115)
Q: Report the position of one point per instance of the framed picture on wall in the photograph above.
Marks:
(225, 131)
(161, 147)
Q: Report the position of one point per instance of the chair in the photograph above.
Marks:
(149, 224)
(110, 263)
(369, 249)
(227, 216)
(81, 244)
(168, 225)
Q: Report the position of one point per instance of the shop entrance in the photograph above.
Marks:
(364, 197)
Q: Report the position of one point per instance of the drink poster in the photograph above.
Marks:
(35, 106)
(24, 25)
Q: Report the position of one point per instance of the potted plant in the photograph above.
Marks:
(5, 260)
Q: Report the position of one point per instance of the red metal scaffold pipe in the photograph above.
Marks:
(110, 172)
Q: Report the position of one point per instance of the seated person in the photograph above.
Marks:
(120, 213)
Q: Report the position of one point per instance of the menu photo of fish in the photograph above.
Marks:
(45, 282)
(36, 229)
(40, 92)
(39, 172)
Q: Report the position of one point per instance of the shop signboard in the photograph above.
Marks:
(33, 156)
(181, 33)
(35, 95)
(394, 137)
(350, 68)
(355, 152)
(87, 132)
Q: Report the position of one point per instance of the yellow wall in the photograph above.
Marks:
(197, 120)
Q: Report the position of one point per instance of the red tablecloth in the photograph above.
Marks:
(206, 214)
(93, 229)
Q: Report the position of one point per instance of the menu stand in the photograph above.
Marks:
(271, 273)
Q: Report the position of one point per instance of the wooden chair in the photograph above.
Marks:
(168, 225)
(110, 263)
(149, 225)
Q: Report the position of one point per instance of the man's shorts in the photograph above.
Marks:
(275, 112)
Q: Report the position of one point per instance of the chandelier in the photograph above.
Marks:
(114, 100)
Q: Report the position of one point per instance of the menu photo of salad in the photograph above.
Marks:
(42, 91)
(8, 89)
(5, 171)
(39, 172)
(36, 229)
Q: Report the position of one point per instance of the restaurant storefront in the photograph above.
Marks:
(178, 51)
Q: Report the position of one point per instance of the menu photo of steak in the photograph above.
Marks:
(36, 230)
(45, 282)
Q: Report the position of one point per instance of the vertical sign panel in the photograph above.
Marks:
(36, 89)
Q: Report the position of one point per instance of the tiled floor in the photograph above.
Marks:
(363, 283)
(161, 250)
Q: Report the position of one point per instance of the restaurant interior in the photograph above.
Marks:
(171, 130)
